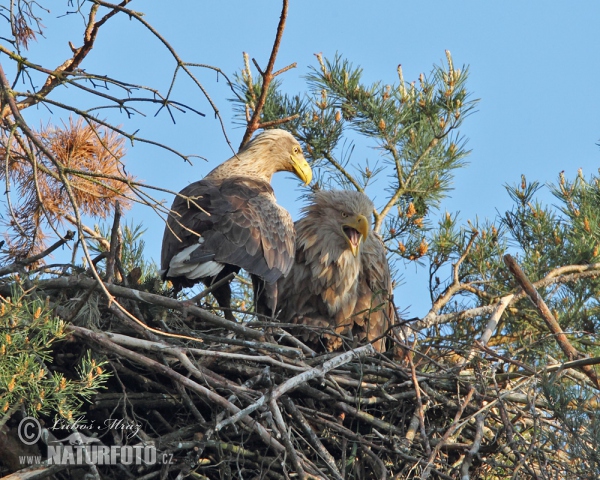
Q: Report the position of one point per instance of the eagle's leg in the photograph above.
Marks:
(222, 294)
(265, 296)
(223, 297)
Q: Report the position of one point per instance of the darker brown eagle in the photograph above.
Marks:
(230, 220)
(340, 281)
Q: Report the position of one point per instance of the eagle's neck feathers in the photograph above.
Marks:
(260, 159)
(334, 268)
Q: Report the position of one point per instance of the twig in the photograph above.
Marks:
(420, 409)
(298, 380)
(283, 70)
(16, 266)
(527, 371)
(566, 274)
(57, 76)
(257, 345)
(505, 358)
(466, 463)
(348, 434)
(376, 461)
(119, 291)
(114, 239)
(490, 327)
(211, 396)
(495, 318)
(573, 364)
(187, 401)
(379, 218)
(413, 426)
(279, 121)
(286, 439)
(126, 319)
(320, 371)
(156, 346)
(368, 418)
(212, 378)
(146, 383)
(296, 342)
(454, 287)
(330, 158)
(8, 99)
(453, 428)
(91, 233)
(311, 437)
(180, 63)
(212, 287)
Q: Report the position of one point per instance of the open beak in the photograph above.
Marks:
(356, 231)
(301, 168)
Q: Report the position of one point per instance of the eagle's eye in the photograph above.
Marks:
(344, 214)
(296, 150)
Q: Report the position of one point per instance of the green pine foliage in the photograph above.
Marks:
(412, 127)
(132, 255)
(28, 332)
(577, 432)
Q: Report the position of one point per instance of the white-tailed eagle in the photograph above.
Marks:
(230, 220)
(340, 281)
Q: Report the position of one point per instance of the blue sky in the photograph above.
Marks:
(534, 66)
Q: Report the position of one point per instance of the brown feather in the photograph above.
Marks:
(374, 311)
(328, 288)
(234, 213)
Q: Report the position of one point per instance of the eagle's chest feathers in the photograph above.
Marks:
(335, 274)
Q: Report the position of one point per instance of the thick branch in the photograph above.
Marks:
(119, 291)
(571, 352)
(103, 341)
(298, 380)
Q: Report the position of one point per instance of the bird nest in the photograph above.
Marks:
(221, 399)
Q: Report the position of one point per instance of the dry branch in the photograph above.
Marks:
(138, 295)
(104, 342)
(243, 398)
(571, 352)
(19, 264)
(267, 78)
(236, 405)
(298, 380)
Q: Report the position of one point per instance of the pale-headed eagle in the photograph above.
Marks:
(340, 280)
(230, 220)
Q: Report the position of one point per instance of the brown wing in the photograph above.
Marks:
(194, 211)
(374, 313)
(240, 224)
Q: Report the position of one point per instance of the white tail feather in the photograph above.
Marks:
(180, 265)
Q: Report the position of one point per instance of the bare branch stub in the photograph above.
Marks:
(267, 77)
(114, 240)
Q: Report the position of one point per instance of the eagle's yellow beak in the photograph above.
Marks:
(356, 230)
(301, 168)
